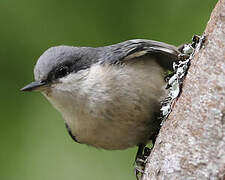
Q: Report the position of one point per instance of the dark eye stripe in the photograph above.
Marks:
(68, 67)
(61, 72)
(58, 72)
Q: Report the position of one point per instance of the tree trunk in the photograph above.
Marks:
(191, 142)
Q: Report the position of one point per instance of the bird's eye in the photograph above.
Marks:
(61, 72)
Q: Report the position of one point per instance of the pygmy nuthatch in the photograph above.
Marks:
(109, 96)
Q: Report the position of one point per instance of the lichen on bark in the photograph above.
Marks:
(191, 142)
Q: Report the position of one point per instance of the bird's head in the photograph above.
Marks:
(57, 64)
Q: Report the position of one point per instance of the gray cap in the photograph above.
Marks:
(83, 57)
(59, 61)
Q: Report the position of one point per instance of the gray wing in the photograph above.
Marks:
(165, 54)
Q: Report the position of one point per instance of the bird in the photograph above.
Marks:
(109, 96)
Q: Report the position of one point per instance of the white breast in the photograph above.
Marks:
(110, 106)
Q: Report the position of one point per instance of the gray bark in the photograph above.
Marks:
(191, 142)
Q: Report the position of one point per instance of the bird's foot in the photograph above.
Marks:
(140, 161)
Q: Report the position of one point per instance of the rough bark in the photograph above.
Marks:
(191, 143)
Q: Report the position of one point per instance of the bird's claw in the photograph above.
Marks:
(140, 163)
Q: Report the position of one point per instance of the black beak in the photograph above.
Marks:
(33, 86)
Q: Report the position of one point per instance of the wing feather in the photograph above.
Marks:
(164, 53)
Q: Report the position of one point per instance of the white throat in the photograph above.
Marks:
(106, 102)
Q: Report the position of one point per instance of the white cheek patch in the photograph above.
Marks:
(74, 77)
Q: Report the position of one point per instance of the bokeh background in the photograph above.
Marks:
(34, 144)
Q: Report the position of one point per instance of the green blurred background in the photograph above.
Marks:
(34, 142)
